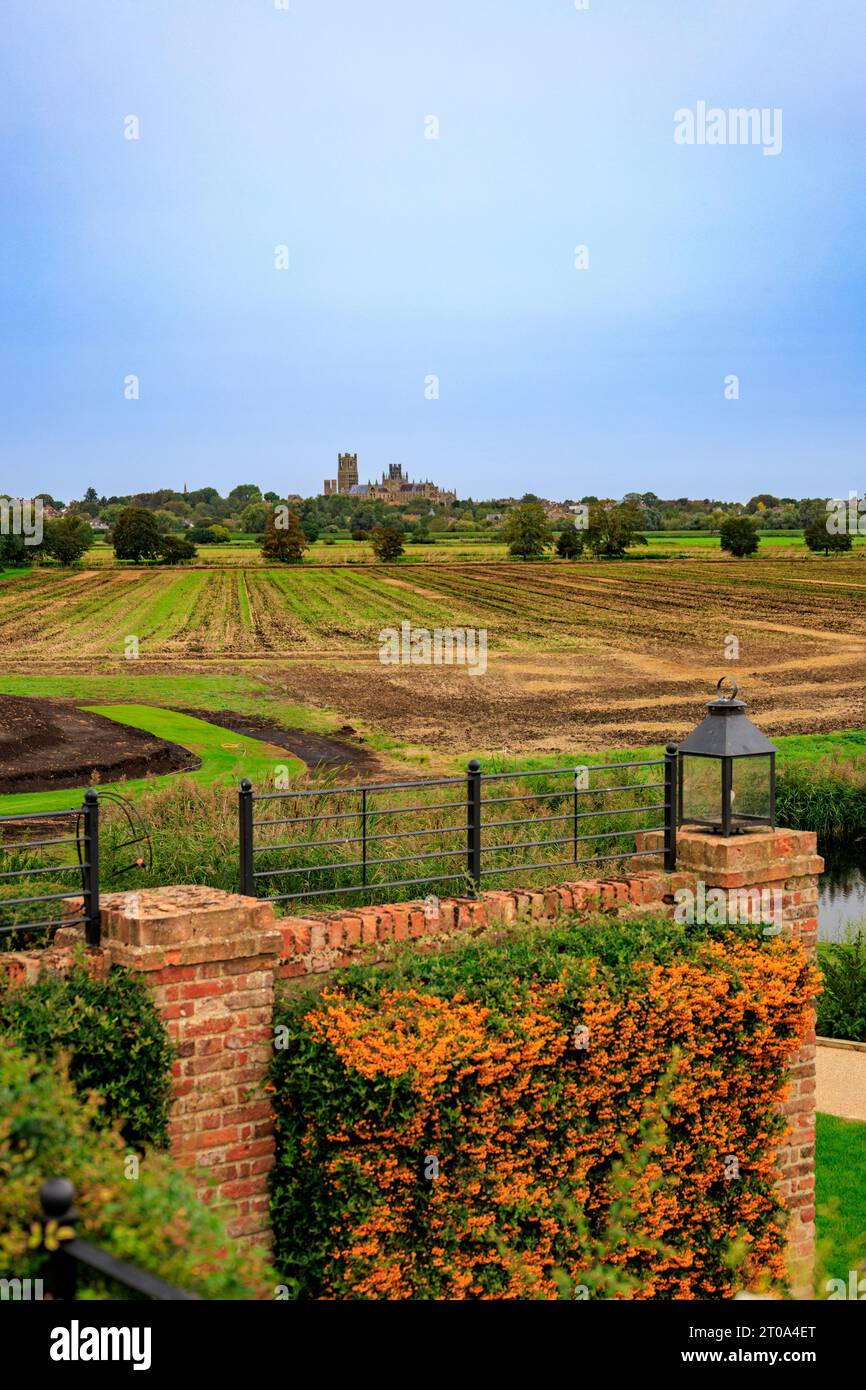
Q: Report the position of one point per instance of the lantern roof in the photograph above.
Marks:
(726, 732)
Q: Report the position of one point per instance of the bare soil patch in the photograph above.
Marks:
(47, 744)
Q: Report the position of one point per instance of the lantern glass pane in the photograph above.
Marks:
(702, 789)
(751, 789)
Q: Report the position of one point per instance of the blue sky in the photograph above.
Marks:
(408, 256)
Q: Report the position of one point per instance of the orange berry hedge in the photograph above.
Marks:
(587, 1109)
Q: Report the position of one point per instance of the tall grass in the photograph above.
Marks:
(417, 835)
(828, 796)
(416, 845)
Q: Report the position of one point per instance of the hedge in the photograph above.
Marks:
(113, 1035)
(444, 1131)
(153, 1219)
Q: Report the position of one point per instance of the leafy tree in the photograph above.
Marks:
(310, 526)
(253, 518)
(136, 535)
(14, 553)
(613, 528)
(203, 535)
(168, 521)
(570, 541)
(221, 534)
(761, 502)
(818, 538)
(245, 492)
(177, 549)
(527, 531)
(739, 535)
(387, 542)
(271, 497)
(284, 542)
(360, 525)
(67, 540)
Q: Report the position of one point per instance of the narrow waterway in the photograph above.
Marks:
(842, 890)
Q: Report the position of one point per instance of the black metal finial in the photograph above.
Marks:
(57, 1196)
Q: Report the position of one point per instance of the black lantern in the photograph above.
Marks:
(727, 770)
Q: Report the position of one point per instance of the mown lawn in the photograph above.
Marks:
(840, 1199)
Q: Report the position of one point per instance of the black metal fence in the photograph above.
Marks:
(68, 1253)
(339, 842)
(23, 834)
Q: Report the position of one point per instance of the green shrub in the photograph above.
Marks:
(842, 1006)
(113, 1035)
(153, 1220)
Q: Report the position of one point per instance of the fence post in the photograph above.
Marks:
(56, 1198)
(670, 807)
(245, 818)
(473, 822)
(92, 928)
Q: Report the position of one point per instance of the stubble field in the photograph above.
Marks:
(586, 655)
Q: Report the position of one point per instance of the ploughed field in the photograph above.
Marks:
(579, 655)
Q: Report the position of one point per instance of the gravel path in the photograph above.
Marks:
(841, 1077)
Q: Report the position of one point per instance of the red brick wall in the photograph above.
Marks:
(211, 959)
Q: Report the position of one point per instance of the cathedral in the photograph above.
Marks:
(395, 489)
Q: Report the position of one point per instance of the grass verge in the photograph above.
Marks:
(840, 1198)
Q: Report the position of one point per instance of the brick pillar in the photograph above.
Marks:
(785, 860)
(209, 958)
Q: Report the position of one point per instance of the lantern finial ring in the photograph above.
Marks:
(733, 684)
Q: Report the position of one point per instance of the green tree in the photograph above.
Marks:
(739, 535)
(284, 539)
(67, 540)
(613, 528)
(527, 531)
(136, 535)
(570, 541)
(176, 550)
(387, 542)
(168, 521)
(253, 518)
(221, 534)
(245, 492)
(14, 553)
(818, 538)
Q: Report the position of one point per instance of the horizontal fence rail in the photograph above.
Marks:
(357, 844)
(67, 1253)
(40, 870)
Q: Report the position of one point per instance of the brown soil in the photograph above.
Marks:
(47, 744)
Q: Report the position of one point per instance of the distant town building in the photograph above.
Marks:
(347, 476)
(395, 489)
